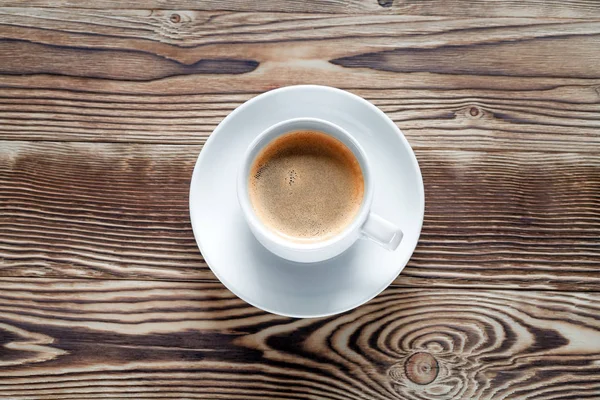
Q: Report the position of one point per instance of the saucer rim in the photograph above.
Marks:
(241, 108)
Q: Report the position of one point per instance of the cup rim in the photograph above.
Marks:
(260, 142)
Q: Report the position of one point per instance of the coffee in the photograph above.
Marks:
(306, 185)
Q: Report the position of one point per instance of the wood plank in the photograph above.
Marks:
(559, 119)
(101, 210)
(173, 33)
(143, 45)
(135, 339)
(137, 76)
(98, 210)
(459, 8)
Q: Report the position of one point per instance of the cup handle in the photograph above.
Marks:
(382, 232)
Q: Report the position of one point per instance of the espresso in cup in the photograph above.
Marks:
(306, 185)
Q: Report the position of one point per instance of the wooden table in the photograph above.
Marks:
(104, 107)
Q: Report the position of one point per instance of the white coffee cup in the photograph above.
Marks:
(366, 224)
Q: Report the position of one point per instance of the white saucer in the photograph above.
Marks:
(283, 287)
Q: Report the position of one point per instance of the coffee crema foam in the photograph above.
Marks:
(306, 186)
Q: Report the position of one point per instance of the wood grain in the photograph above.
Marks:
(104, 107)
(104, 210)
(560, 119)
(138, 76)
(460, 8)
(288, 45)
(136, 339)
(96, 209)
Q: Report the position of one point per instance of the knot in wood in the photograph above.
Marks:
(385, 3)
(175, 18)
(421, 368)
(474, 111)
